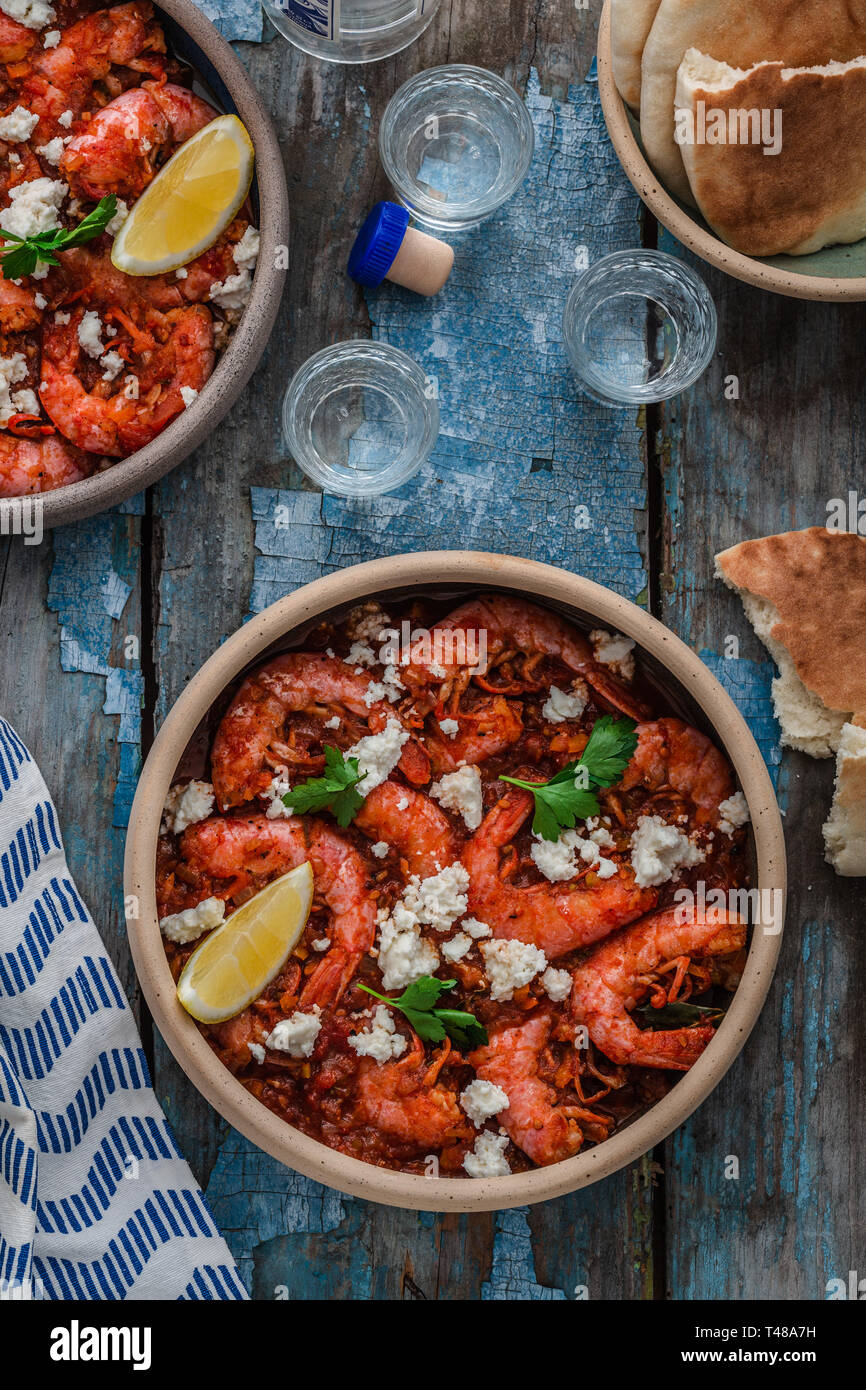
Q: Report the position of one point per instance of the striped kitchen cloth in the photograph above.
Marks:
(96, 1201)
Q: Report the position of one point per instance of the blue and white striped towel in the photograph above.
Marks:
(95, 1199)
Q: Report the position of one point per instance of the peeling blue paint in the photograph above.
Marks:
(749, 685)
(512, 1276)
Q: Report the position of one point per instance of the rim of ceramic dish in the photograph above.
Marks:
(688, 231)
(237, 363)
(419, 572)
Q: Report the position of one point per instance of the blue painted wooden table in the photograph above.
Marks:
(104, 624)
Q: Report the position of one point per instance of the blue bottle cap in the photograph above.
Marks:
(377, 244)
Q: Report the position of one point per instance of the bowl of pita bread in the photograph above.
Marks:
(742, 126)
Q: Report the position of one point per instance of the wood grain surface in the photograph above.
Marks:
(104, 623)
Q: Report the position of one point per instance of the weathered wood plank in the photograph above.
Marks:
(788, 1108)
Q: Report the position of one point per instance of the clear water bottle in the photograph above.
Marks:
(351, 31)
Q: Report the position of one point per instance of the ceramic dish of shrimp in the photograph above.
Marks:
(129, 239)
(457, 889)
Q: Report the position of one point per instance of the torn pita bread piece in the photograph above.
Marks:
(845, 831)
(776, 156)
(630, 23)
(804, 593)
(798, 33)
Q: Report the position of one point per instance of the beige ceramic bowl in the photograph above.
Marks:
(194, 39)
(668, 664)
(838, 273)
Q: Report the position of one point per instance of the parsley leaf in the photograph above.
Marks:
(570, 795)
(23, 258)
(417, 1003)
(679, 1015)
(335, 791)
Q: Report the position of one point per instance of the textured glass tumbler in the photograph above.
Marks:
(639, 327)
(456, 143)
(358, 418)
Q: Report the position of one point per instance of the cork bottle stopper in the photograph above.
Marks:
(422, 264)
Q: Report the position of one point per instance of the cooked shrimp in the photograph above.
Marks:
(232, 857)
(403, 1099)
(87, 271)
(248, 744)
(122, 147)
(546, 1132)
(18, 310)
(556, 917)
(493, 725)
(614, 980)
(513, 627)
(59, 79)
(172, 354)
(671, 757)
(410, 823)
(16, 41)
(40, 465)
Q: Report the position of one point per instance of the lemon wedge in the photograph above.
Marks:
(190, 202)
(233, 965)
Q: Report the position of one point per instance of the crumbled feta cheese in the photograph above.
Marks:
(557, 859)
(279, 787)
(52, 150)
(458, 947)
(65, 119)
(187, 805)
(360, 654)
(117, 221)
(90, 334)
(439, 900)
(437, 670)
(449, 727)
(113, 364)
(181, 273)
(375, 691)
(321, 943)
(18, 125)
(461, 791)
(40, 301)
(382, 1042)
(130, 387)
(13, 369)
(733, 813)
(560, 705)
(481, 1100)
(60, 318)
(378, 754)
(402, 803)
(380, 849)
(510, 965)
(187, 926)
(246, 251)
(333, 723)
(33, 14)
(557, 984)
(367, 623)
(296, 1035)
(614, 651)
(659, 851)
(476, 929)
(26, 402)
(13, 157)
(257, 1052)
(487, 1159)
(51, 39)
(34, 208)
(404, 955)
(188, 395)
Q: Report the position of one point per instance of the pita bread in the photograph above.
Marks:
(798, 33)
(796, 200)
(845, 830)
(630, 22)
(805, 594)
